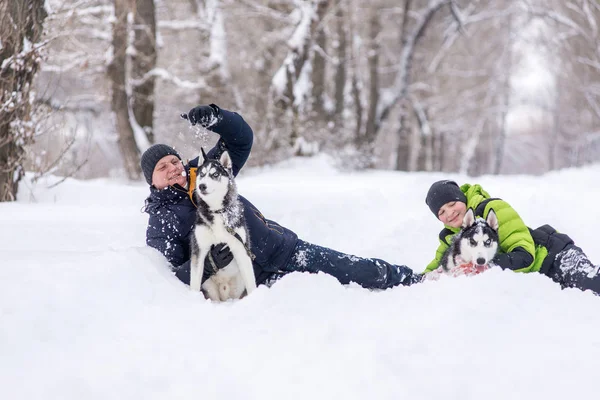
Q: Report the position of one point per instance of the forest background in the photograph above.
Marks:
(474, 87)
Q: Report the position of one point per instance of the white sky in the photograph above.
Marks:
(87, 311)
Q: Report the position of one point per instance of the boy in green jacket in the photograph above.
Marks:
(521, 249)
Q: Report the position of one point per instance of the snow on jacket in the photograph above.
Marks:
(172, 213)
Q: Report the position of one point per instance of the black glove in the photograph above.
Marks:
(206, 116)
(217, 258)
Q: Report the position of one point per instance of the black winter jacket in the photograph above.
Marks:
(172, 213)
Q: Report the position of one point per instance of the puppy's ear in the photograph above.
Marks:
(469, 218)
(202, 158)
(225, 160)
(492, 220)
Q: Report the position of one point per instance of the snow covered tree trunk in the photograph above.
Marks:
(426, 135)
(400, 88)
(215, 66)
(117, 71)
(21, 27)
(287, 89)
(144, 61)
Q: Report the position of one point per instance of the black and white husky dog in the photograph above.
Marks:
(220, 219)
(475, 245)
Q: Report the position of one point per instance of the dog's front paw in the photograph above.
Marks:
(434, 275)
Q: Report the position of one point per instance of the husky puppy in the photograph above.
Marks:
(220, 219)
(476, 244)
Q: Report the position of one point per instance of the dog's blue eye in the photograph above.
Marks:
(488, 242)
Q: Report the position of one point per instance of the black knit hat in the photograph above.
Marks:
(442, 192)
(152, 156)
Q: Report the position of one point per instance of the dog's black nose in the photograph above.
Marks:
(202, 187)
(480, 261)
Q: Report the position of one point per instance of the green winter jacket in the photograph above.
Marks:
(517, 250)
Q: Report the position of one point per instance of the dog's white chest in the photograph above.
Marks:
(217, 232)
(231, 281)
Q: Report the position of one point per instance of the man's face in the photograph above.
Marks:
(168, 172)
(452, 213)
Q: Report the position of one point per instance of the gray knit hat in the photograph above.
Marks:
(152, 156)
(442, 192)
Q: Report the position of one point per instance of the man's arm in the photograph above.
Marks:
(176, 250)
(164, 237)
(236, 136)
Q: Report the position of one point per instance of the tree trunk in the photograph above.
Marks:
(555, 132)
(403, 144)
(409, 44)
(426, 134)
(341, 67)
(283, 117)
(403, 147)
(117, 71)
(318, 75)
(144, 61)
(373, 61)
(21, 26)
(215, 66)
(505, 90)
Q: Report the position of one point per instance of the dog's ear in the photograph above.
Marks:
(225, 160)
(469, 218)
(492, 220)
(202, 158)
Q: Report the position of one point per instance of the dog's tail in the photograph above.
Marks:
(224, 291)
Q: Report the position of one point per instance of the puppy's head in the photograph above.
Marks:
(213, 176)
(479, 238)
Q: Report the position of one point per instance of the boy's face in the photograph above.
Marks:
(452, 213)
(167, 172)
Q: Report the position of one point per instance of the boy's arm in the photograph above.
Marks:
(438, 257)
(516, 244)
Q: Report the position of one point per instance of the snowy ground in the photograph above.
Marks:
(88, 312)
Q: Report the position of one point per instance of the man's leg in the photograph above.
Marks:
(370, 273)
(574, 269)
(273, 278)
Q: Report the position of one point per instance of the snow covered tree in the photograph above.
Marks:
(143, 61)
(290, 84)
(573, 48)
(118, 73)
(411, 85)
(214, 66)
(133, 98)
(21, 28)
